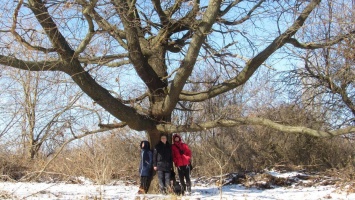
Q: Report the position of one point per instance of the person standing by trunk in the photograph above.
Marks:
(182, 159)
(145, 167)
(162, 162)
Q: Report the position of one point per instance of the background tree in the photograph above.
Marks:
(40, 111)
(324, 83)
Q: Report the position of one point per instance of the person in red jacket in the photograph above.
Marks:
(181, 158)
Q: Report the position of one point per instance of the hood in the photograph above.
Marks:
(146, 145)
(176, 136)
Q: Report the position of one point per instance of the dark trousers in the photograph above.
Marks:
(164, 181)
(145, 183)
(184, 173)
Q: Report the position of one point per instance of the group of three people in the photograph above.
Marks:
(162, 160)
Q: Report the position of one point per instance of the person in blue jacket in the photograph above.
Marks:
(145, 167)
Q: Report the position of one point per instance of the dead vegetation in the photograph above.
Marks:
(267, 180)
(247, 151)
(5, 195)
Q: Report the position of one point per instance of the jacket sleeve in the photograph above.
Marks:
(187, 151)
(155, 154)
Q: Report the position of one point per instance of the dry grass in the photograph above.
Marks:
(116, 156)
(100, 159)
(254, 148)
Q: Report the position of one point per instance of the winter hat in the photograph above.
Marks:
(176, 136)
(146, 144)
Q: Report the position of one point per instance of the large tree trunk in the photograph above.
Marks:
(154, 138)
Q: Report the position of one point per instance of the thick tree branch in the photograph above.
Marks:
(88, 37)
(170, 27)
(103, 23)
(188, 21)
(103, 97)
(99, 94)
(118, 64)
(20, 39)
(168, 128)
(176, 45)
(336, 40)
(106, 127)
(187, 64)
(162, 15)
(82, 78)
(254, 63)
(30, 65)
(54, 35)
(140, 98)
(102, 59)
(131, 23)
(170, 11)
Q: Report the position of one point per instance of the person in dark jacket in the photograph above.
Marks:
(145, 167)
(182, 159)
(162, 162)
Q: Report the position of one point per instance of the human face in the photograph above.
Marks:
(142, 145)
(163, 139)
(177, 139)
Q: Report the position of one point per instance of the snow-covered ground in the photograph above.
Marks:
(120, 190)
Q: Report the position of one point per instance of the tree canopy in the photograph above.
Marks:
(178, 52)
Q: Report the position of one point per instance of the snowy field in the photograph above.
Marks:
(120, 190)
(75, 191)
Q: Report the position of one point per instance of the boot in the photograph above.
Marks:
(188, 189)
(183, 189)
(141, 190)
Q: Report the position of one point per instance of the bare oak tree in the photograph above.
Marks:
(166, 43)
